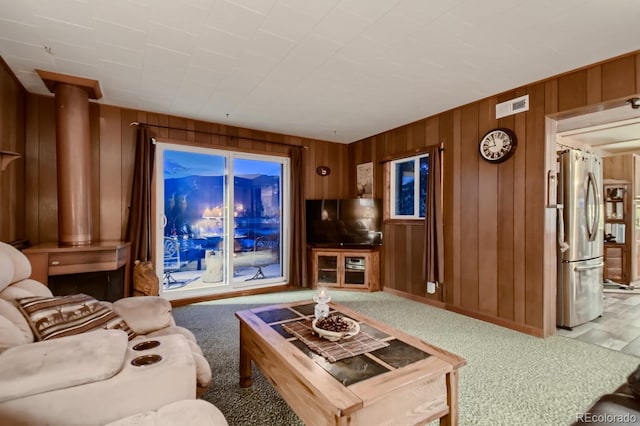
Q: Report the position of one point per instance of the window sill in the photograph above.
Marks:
(414, 222)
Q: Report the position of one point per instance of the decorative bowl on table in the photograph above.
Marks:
(335, 327)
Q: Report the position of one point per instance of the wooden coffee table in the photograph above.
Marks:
(409, 382)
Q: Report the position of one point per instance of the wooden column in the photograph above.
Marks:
(74, 160)
(73, 151)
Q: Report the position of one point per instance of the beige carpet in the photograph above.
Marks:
(510, 378)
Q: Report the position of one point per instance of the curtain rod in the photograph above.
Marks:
(137, 123)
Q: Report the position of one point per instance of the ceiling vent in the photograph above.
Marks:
(512, 106)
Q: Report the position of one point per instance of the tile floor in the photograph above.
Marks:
(618, 328)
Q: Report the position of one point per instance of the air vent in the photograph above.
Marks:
(512, 106)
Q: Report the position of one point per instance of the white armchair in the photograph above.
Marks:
(89, 378)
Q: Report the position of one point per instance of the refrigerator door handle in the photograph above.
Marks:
(562, 243)
(586, 268)
(592, 191)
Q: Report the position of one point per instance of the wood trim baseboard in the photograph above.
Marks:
(533, 331)
(416, 298)
(248, 292)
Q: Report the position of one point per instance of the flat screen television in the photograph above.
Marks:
(348, 222)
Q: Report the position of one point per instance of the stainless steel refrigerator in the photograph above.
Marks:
(580, 238)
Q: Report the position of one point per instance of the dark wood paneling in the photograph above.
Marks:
(415, 248)
(594, 87)
(523, 297)
(110, 178)
(495, 219)
(534, 201)
(469, 235)
(512, 302)
(12, 138)
(619, 78)
(45, 164)
(572, 90)
(488, 218)
(96, 151)
(336, 185)
(113, 152)
(450, 212)
(506, 222)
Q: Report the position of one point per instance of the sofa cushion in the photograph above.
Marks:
(145, 314)
(186, 412)
(61, 363)
(21, 264)
(34, 287)
(10, 335)
(11, 313)
(59, 316)
(7, 268)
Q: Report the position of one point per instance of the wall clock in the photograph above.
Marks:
(323, 170)
(497, 145)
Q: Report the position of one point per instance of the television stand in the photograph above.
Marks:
(353, 268)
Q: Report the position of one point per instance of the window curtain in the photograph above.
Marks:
(139, 223)
(298, 266)
(434, 243)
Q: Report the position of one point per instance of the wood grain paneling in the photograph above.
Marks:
(469, 220)
(594, 86)
(488, 219)
(495, 221)
(572, 90)
(498, 265)
(511, 303)
(619, 78)
(113, 152)
(110, 175)
(505, 226)
(534, 214)
(45, 165)
(12, 138)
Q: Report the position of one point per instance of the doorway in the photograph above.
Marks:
(610, 131)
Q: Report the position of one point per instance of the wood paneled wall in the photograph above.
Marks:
(112, 146)
(12, 116)
(499, 235)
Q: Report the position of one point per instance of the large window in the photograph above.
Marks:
(408, 189)
(222, 217)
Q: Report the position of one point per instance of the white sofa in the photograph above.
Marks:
(88, 378)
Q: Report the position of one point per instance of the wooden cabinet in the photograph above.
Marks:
(625, 170)
(352, 268)
(615, 267)
(49, 261)
(617, 232)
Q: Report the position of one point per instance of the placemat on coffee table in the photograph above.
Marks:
(333, 351)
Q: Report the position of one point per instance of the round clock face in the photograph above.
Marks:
(497, 145)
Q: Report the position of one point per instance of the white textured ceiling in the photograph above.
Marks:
(338, 70)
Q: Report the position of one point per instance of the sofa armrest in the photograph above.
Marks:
(145, 314)
(61, 363)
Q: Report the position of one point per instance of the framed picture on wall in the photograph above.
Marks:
(364, 180)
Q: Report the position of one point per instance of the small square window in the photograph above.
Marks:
(409, 187)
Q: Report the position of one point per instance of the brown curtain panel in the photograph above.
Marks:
(139, 223)
(434, 243)
(298, 268)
